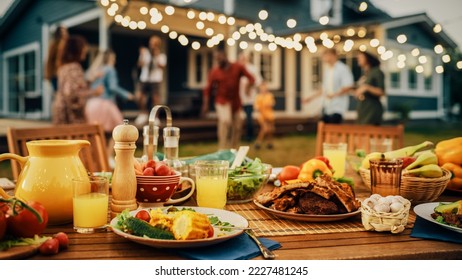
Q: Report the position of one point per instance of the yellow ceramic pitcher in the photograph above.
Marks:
(47, 174)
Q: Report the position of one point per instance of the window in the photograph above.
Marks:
(21, 78)
(200, 63)
(412, 78)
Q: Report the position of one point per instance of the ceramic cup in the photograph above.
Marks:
(156, 191)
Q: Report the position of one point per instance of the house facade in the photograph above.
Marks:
(284, 37)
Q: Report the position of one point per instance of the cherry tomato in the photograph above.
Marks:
(151, 163)
(49, 247)
(210, 232)
(62, 239)
(289, 172)
(148, 171)
(162, 170)
(2, 225)
(25, 223)
(143, 215)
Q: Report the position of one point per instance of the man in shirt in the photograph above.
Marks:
(337, 80)
(223, 84)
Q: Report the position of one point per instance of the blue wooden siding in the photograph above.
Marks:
(27, 27)
(415, 34)
(416, 103)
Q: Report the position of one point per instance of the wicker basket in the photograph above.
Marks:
(416, 189)
(378, 221)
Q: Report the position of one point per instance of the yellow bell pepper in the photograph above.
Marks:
(312, 169)
(449, 151)
(456, 175)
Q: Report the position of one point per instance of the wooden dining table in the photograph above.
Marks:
(318, 245)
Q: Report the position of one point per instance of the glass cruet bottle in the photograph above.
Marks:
(171, 147)
(145, 156)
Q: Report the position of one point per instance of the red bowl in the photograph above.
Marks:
(156, 189)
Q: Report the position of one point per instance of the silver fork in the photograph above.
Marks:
(267, 254)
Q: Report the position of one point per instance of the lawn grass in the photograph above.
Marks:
(297, 148)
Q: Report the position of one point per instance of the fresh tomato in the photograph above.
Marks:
(210, 232)
(49, 247)
(151, 163)
(325, 160)
(289, 172)
(2, 225)
(143, 215)
(162, 170)
(148, 171)
(62, 239)
(26, 223)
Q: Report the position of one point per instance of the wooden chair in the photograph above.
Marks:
(94, 158)
(357, 136)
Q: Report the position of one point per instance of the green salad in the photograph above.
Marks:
(245, 181)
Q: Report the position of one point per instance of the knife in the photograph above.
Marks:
(267, 254)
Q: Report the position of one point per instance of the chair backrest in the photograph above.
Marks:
(94, 157)
(357, 136)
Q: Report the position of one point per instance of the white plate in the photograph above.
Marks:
(307, 217)
(427, 209)
(219, 236)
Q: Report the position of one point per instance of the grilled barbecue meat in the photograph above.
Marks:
(324, 196)
(311, 203)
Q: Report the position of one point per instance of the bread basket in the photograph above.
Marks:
(416, 189)
(380, 221)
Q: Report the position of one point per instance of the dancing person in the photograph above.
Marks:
(371, 87)
(59, 38)
(248, 97)
(337, 80)
(264, 104)
(152, 63)
(73, 89)
(103, 109)
(223, 82)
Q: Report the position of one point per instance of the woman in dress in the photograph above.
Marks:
(103, 110)
(73, 90)
(371, 87)
(59, 39)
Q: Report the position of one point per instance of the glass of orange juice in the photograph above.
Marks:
(90, 204)
(211, 183)
(336, 154)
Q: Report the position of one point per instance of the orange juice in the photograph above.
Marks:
(211, 191)
(90, 210)
(337, 161)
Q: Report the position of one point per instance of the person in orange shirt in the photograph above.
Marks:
(264, 104)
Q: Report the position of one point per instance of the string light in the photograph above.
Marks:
(374, 43)
(362, 7)
(291, 23)
(437, 28)
(422, 59)
(439, 69)
(401, 38)
(459, 64)
(446, 58)
(263, 14)
(438, 49)
(324, 20)
(255, 31)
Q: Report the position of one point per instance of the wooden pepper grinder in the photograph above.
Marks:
(124, 177)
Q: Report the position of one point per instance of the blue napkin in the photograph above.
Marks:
(428, 230)
(241, 247)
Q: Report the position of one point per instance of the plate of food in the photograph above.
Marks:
(323, 200)
(178, 227)
(444, 214)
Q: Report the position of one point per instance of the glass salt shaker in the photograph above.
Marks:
(171, 148)
(145, 156)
